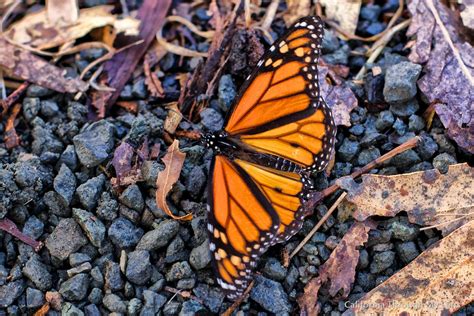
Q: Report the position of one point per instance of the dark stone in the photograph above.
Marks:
(372, 138)
(443, 161)
(69, 158)
(92, 310)
(427, 147)
(330, 42)
(31, 108)
(49, 108)
(422, 166)
(367, 155)
(403, 231)
(374, 28)
(95, 143)
(56, 204)
(400, 127)
(445, 146)
(153, 302)
(135, 305)
(34, 90)
(66, 238)
(65, 183)
(139, 89)
(178, 271)
(33, 227)
(270, 295)
(90, 191)
(384, 120)
(370, 12)
(31, 173)
(405, 159)
(382, 261)
(126, 93)
(113, 278)
(416, 123)
(200, 256)
(407, 251)
(338, 57)
(159, 237)
(44, 140)
(212, 298)
(138, 267)
(91, 225)
(274, 270)
(34, 298)
(357, 130)
(211, 119)
(363, 259)
(226, 92)
(400, 82)
(75, 289)
(186, 284)
(366, 281)
(107, 208)
(132, 198)
(10, 292)
(348, 150)
(195, 181)
(114, 303)
(77, 112)
(78, 258)
(67, 309)
(124, 234)
(405, 109)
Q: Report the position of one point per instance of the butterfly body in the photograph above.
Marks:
(278, 131)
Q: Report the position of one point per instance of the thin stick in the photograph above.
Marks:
(378, 47)
(448, 222)
(239, 301)
(12, 98)
(184, 294)
(270, 14)
(319, 196)
(10, 227)
(319, 224)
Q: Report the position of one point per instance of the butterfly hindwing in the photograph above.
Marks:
(242, 224)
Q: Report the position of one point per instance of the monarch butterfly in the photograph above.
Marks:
(277, 132)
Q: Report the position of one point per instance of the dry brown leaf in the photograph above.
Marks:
(11, 137)
(467, 14)
(344, 12)
(151, 79)
(173, 119)
(43, 310)
(35, 31)
(429, 197)
(339, 269)
(437, 282)
(173, 160)
(20, 63)
(62, 12)
(449, 70)
(296, 10)
(340, 99)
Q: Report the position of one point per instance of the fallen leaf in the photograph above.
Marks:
(173, 118)
(340, 99)
(437, 282)
(62, 12)
(118, 70)
(43, 310)
(35, 30)
(339, 269)
(130, 106)
(173, 160)
(467, 14)
(122, 160)
(151, 79)
(20, 63)
(344, 12)
(449, 68)
(429, 197)
(11, 137)
(308, 302)
(296, 9)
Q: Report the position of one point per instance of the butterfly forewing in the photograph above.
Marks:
(280, 111)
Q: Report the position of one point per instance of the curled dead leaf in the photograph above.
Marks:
(173, 160)
(344, 12)
(173, 118)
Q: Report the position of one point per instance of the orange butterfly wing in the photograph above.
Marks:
(242, 224)
(280, 111)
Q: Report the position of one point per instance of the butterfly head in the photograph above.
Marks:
(219, 142)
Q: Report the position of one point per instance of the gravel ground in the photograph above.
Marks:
(115, 252)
